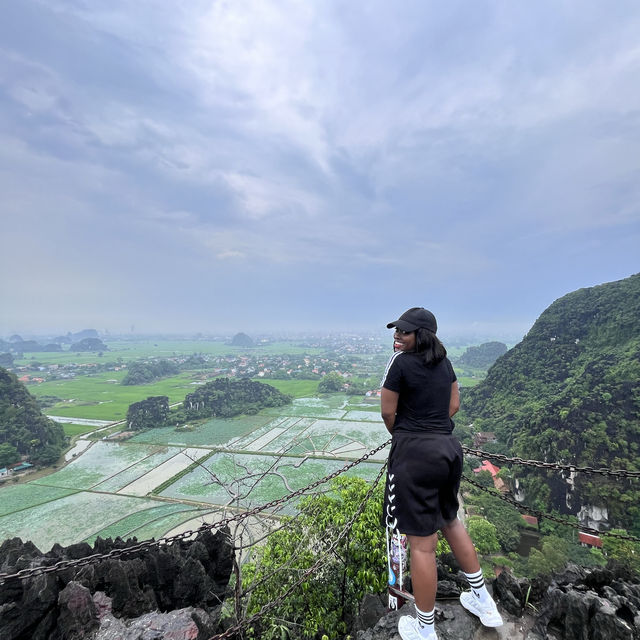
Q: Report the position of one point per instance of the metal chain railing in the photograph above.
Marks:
(618, 473)
(62, 565)
(541, 515)
(282, 597)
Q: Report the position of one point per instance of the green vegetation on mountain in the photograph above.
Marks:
(227, 397)
(23, 428)
(242, 340)
(483, 355)
(6, 360)
(88, 344)
(31, 346)
(570, 392)
(146, 372)
(149, 413)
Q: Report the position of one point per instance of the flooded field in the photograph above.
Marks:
(108, 488)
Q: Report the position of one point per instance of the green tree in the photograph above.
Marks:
(537, 564)
(507, 519)
(47, 455)
(8, 454)
(484, 355)
(6, 360)
(325, 603)
(483, 534)
(484, 478)
(552, 557)
(145, 372)
(624, 551)
(331, 383)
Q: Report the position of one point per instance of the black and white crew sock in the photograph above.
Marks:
(478, 587)
(426, 620)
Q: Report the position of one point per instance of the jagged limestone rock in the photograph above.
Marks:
(55, 606)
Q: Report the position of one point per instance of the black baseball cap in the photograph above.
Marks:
(415, 318)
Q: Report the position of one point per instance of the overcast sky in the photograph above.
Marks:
(238, 165)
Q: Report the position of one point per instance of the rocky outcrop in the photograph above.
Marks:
(600, 604)
(176, 592)
(452, 623)
(594, 517)
(187, 580)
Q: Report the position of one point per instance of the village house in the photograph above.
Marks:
(530, 520)
(498, 483)
(483, 437)
(588, 540)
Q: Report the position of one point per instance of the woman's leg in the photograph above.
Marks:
(461, 545)
(424, 574)
(478, 601)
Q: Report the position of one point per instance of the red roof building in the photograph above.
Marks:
(487, 466)
(532, 520)
(588, 540)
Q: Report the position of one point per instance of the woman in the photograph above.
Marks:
(419, 396)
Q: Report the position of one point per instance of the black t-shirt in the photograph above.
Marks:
(424, 392)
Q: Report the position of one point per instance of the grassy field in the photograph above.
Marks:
(24, 496)
(467, 381)
(73, 430)
(100, 396)
(97, 398)
(166, 348)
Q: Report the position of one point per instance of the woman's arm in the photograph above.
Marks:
(454, 401)
(388, 408)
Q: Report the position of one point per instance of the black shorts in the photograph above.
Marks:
(423, 479)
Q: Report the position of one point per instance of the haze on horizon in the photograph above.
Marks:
(212, 166)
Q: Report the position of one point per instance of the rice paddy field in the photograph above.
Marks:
(215, 432)
(245, 481)
(164, 479)
(72, 518)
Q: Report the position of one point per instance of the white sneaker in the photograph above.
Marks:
(409, 630)
(487, 612)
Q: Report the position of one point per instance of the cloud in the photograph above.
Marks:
(316, 152)
(260, 198)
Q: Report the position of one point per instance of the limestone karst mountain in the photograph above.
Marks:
(570, 392)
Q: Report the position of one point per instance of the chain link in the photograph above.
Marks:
(540, 515)
(62, 565)
(618, 473)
